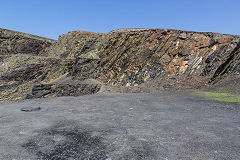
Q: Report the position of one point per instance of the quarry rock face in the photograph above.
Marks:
(133, 57)
(128, 60)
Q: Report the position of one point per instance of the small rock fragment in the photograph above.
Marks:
(30, 109)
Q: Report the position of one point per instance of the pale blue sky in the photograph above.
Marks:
(50, 18)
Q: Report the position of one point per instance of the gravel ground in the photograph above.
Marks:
(167, 126)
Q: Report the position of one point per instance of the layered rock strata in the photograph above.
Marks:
(128, 60)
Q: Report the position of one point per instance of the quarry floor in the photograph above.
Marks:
(165, 126)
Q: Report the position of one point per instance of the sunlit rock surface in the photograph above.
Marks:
(126, 60)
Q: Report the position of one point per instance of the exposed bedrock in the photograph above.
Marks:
(127, 60)
(12, 42)
(132, 57)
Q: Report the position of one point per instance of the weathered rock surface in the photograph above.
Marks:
(128, 60)
(53, 90)
(132, 57)
(12, 42)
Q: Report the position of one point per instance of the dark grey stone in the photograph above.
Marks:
(30, 108)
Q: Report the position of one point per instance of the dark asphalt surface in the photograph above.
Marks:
(168, 126)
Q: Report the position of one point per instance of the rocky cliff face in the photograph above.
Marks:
(129, 60)
(12, 42)
(133, 57)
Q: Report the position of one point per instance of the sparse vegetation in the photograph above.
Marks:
(224, 97)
